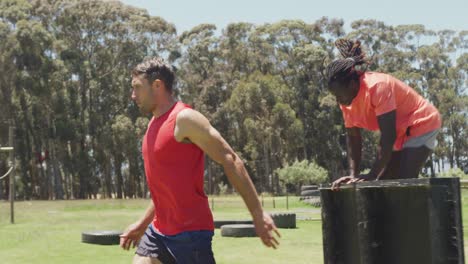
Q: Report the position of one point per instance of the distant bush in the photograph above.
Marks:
(302, 172)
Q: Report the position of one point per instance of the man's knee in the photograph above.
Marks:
(137, 259)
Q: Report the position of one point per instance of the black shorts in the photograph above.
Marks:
(187, 247)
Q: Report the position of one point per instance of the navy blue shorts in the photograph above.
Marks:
(187, 247)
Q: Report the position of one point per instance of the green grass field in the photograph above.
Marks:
(50, 232)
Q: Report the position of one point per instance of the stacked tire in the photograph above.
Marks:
(311, 194)
(238, 230)
(284, 220)
(101, 237)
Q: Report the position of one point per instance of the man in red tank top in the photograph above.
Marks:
(178, 225)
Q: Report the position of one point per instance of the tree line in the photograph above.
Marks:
(65, 85)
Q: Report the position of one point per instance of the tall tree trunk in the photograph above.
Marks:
(107, 176)
(82, 152)
(50, 174)
(27, 152)
(67, 184)
(451, 155)
(138, 178)
(57, 175)
(132, 179)
(267, 165)
(57, 162)
(83, 173)
(24, 154)
(71, 169)
(118, 174)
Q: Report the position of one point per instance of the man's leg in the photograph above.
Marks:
(412, 161)
(137, 259)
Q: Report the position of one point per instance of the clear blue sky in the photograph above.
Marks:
(185, 14)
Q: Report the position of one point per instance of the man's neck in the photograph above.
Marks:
(163, 107)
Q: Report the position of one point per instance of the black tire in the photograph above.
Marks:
(220, 223)
(309, 187)
(240, 230)
(286, 220)
(101, 237)
(317, 204)
(310, 193)
(314, 201)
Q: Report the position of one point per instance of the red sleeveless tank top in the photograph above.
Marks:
(174, 173)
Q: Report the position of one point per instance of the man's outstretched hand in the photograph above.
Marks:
(350, 179)
(132, 236)
(266, 230)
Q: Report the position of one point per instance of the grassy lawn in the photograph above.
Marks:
(50, 232)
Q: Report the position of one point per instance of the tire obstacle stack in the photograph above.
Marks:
(310, 194)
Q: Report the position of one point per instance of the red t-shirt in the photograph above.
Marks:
(174, 172)
(381, 93)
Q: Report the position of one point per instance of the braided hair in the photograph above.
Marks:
(343, 70)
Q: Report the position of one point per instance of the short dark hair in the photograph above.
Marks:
(156, 68)
(342, 70)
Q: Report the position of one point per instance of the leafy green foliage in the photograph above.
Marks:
(65, 82)
(303, 172)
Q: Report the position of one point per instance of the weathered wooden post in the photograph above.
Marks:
(11, 171)
(393, 221)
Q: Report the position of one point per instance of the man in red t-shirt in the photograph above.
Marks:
(408, 123)
(178, 225)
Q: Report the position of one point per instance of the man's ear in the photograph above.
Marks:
(156, 85)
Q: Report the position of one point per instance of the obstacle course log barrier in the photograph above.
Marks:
(393, 221)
